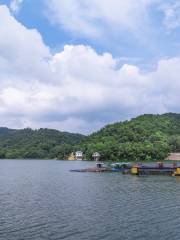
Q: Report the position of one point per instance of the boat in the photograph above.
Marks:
(100, 167)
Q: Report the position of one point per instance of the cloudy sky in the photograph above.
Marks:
(76, 65)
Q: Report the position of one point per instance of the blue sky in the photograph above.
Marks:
(76, 65)
(158, 41)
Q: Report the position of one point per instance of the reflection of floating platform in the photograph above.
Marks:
(155, 171)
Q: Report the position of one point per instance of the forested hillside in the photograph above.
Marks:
(42, 143)
(147, 137)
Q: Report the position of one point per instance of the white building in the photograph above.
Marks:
(79, 155)
(96, 156)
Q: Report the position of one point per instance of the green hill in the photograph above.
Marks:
(42, 143)
(147, 137)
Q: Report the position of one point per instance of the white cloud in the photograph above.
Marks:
(76, 89)
(92, 18)
(15, 5)
(22, 51)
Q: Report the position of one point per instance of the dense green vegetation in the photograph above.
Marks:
(145, 138)
(36, 144)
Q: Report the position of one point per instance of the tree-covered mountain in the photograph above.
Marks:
(147, 137)
(42, 143)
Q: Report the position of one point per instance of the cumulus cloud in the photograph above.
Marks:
(22, 51)
(76, 89)
(91, 18)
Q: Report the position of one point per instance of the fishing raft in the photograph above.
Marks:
(101, 167)
(159, 168)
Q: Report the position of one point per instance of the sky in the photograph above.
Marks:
(77, 65)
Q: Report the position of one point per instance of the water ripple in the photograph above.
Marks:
(44, 201)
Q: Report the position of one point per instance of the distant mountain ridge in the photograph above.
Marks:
(41, 143)
(147, 137)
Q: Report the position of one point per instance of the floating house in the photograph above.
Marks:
(79, 156)
(96, 156)
(174, 157)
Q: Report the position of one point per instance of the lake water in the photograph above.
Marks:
(43, 200)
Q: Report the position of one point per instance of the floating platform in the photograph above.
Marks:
(137, 169)
(155, 169)
(94, 169)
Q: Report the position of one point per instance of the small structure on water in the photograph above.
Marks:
(101, 165)
(96, 156)
(79, 155)
(121, 165)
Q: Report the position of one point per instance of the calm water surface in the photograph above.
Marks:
(43, 200)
